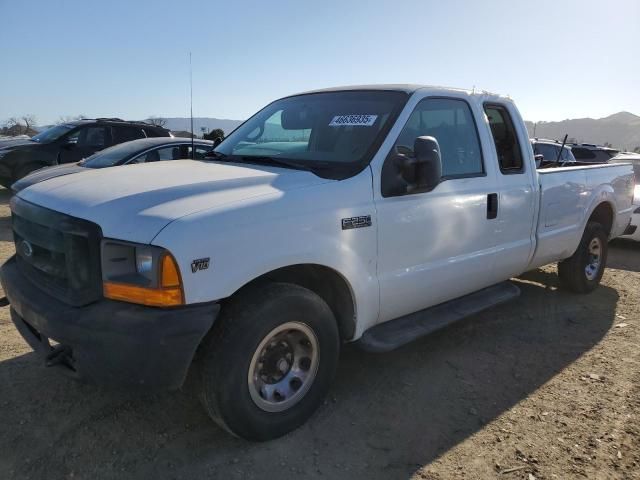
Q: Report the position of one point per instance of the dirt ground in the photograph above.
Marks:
(545, 387)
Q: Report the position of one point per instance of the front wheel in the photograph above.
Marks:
(582, 272)
(269, 361)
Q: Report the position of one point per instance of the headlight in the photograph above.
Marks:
(141, 274)
(144, 262)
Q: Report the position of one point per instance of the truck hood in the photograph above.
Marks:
(134, 202)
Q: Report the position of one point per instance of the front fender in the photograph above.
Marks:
(256, 236)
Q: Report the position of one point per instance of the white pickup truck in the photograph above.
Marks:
(373, 214)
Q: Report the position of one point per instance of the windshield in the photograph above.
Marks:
(53, 133)
(332, 130)
(113, 155)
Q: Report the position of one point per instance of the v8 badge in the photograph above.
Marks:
(199, 264)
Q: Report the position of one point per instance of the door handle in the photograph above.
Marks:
(492, 205)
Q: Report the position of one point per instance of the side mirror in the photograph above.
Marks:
(428, 163)
(407, 172)
(69, 142)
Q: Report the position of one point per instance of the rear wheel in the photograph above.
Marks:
(269, 361)
(582, 272)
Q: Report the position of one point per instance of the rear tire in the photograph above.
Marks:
(582, 272)
(269, 361)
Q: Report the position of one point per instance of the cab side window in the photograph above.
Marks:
(160, 154)
(451, 123)
(505, 139)
(200, 152)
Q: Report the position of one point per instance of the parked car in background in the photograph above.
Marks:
(553, 152)
(136, 151)
(634, 159)
(68, 143)
(591, 153)
(10, 140)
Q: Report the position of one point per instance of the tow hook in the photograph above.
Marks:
(4, 301)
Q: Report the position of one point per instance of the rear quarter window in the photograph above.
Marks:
(505, 138)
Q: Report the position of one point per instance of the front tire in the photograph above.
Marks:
(582, 272)
(269, 361)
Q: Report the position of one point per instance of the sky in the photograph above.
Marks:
(557, 59)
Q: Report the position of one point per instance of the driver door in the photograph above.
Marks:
(438, 245)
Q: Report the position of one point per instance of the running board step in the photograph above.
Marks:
(390, 335)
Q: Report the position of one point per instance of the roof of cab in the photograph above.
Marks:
(396, 87)
(408, 88)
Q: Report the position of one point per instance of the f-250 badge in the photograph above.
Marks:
(199, 264)
(356, 222)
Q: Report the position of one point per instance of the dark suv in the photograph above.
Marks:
(67, 143)
(590, 153)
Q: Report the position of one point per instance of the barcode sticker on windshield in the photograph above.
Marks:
(353, 120)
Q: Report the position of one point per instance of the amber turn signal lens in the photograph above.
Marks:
(153, 297)
(167, 294)
(169, 276)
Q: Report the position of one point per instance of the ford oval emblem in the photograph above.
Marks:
(27, 249)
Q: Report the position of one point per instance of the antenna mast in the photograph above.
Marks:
(193, 156)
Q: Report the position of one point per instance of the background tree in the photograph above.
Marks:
(213, 134)
(29, 121)
(12, 122)
(19, 126)
(70, 118)
(157, 121)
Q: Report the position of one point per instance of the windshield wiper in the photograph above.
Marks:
(213, 155)
(313, 167)
(266, 160)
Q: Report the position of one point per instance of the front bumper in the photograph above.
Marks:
(108, 342)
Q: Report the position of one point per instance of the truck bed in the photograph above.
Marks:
(568, 197)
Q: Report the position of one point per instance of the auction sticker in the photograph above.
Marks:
(353, 120)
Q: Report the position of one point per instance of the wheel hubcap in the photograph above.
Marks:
(283, 367)
(594, 259)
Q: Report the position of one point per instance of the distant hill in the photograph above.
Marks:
(184, 124)
(621, 130)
